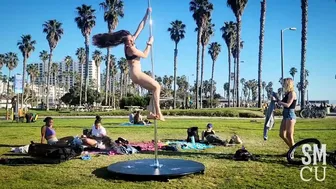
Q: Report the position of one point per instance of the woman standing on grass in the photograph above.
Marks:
(288, 114)
(133, 56)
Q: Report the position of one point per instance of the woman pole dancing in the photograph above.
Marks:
(133, 56)
(289, 117)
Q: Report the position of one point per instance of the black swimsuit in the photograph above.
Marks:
(130, 57)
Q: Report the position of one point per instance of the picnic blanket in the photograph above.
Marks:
(188, 145)
(269, 120)
(131, 124)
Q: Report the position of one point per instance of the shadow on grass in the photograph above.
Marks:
(262, 158)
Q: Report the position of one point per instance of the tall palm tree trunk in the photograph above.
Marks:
(113, 92)
(121, 85)
(33, 98)
(304, 7)
(238, 59)
(261, 46)
(81, 87)
(87, 53)
(110, 93)
(211, 90)
(23, 78)
(48, 78)
(199, 35)
(234, 81)
(97, 84)
(175, 78)
(107, 73)
(229, 81)
(202, 71)
(55, 89)
(9, 75)
(43, 82)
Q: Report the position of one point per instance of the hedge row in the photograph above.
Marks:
(224, 112)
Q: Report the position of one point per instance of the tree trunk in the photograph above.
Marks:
(87, 56)
(211, 90)
(234, 81)
(229, 62)
(121, 85)
(97, 84)
(81, 85)
(304, 7)
(113, 92)
(9, 74)
(261, 46)
(48, 78)
(33, 98)
(55, 89)
(202, 71)
(107, 77)
(23, 77)
(43, 82)
(199, 35)
(238, 58)
(175, 77)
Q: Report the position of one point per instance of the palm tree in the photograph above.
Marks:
(80, 53)
(234, 52)
(54, 71)
(113, 9)
(214, 50)
(292, 72)
(226, 89)
(263, 88)
(98, 58)
(26, 46)
(32, 70)
(54, 31)
(201, 12)
(44, 56)
(85, 22)
(261, 47)
(11, 60)
(229, 35)
(177, 31)
(113, 73)
(207, 32)
(304, 8)
(122, 66)
(68, 62)
(237, 7)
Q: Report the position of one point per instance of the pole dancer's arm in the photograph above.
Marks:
(142, 24)
(142, 54)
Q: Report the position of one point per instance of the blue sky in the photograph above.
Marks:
(20, 17)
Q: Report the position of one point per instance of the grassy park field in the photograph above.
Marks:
(270, 171)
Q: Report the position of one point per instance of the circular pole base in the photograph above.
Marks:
(143, 170)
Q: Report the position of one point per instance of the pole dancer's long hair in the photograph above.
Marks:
(104, 40)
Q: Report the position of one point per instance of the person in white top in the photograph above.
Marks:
(97, 135)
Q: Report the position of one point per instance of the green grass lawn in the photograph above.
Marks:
(270, 171)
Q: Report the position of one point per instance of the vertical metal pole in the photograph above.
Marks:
(282, 63)
(156, 163)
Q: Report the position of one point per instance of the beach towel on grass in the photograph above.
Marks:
(189, 145)
(131, 124)
(269, 120)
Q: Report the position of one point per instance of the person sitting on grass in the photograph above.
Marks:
(138, 119)
(210, 136)
(48, 133)
(97, 135)
(131, 117)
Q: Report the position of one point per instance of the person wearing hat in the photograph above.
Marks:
(210, 136)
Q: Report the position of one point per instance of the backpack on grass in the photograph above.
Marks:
(53, 153)
(193, 131)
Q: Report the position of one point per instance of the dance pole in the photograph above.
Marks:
(156, 163)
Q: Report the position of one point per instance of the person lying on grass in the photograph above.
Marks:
(97, 134)
(48, 133)
(210, 136)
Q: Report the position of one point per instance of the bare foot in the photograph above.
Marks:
(152, 116)
(161, 118)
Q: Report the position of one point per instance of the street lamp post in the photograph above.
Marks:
(282, 55)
